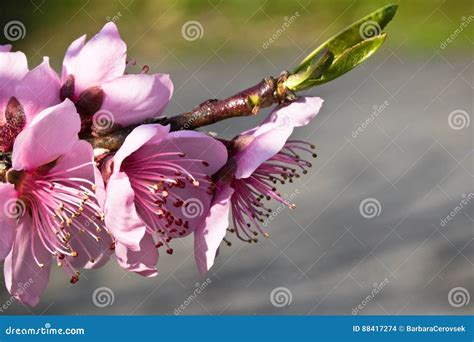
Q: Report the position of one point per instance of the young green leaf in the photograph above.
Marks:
(305, 78)
(351, 58)
(362, 38)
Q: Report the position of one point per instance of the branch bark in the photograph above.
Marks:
(245, 103)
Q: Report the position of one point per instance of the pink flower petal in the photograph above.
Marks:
(263, 147)
(5, 48)
(212, 230)
(133, 98)
(52, 133)
(98, 252)
(72, 53)
(13, 66)
(38, 89)
(143, 261)
(298, 113)
(198, 145)
(121, 216)
(80, 154)
(100, 60)
(270, 137)
(136, 139)
(8, 214)
(24, 279)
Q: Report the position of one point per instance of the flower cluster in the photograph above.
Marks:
(66, 204)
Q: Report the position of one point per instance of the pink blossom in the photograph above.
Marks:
(159, 189)
(93, 78)
(23, 93)
(5, 48)
(260, 158)
(50, 207)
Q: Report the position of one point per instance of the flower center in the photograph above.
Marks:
(248, 210)
(163, 186)
(62, 208)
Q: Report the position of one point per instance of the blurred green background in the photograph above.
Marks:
(153, 28)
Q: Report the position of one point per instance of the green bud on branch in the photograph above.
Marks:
(349, 48)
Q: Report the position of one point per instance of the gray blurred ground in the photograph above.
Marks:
(325, 253)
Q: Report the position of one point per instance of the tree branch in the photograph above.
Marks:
(245, 103)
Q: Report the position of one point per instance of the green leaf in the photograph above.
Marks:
(367, 27)
(362, 38)
(351, 58)
(305, 78)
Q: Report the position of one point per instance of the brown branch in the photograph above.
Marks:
(245, 103)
